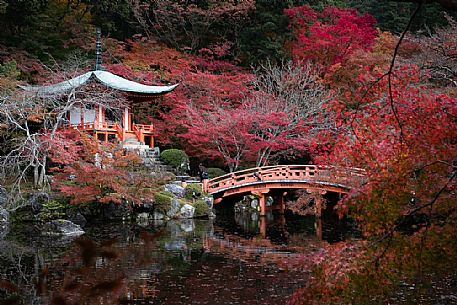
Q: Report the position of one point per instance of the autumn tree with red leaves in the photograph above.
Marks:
(329, 37)
(86, 172)
(401, 130)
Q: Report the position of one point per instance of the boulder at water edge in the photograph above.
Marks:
(187, 211)
(37, 200)
(174, 208)
(62, 227)
(175, 189)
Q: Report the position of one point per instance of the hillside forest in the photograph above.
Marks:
(350, 83)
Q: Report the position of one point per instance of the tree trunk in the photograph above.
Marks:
(42, 177)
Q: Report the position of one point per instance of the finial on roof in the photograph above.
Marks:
(98, 50)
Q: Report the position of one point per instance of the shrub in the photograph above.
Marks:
(193, 190)
(214, 172)
(163, 201)
(201, 209)
(175, 157)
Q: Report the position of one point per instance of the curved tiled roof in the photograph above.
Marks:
(104, 77)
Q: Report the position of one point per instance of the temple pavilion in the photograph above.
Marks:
(101, 122)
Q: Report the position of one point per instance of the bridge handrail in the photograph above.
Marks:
(288, 171)
(252, 170)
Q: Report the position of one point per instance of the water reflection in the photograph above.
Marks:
(247, 261)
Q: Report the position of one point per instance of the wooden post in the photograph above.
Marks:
(205, 185)
(262, 204)
(151, 143)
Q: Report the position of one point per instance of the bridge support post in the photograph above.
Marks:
(262, 204)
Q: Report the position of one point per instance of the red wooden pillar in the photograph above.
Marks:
(151, 143)
(262, 204)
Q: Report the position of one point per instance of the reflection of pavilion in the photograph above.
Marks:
(95, 118)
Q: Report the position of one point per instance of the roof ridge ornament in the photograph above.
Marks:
(98, 50)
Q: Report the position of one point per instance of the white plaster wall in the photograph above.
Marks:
(89, 115)
(75, 116)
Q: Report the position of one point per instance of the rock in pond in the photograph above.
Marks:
(37, 200)
(174, 208)
(187, 211)
(209, 201)
(62, 227)
(175, 189)
(77, 218)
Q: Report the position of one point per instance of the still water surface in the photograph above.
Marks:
(229, 260)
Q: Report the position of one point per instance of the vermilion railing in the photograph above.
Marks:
(119, 131)
(347, 176)
(143, 127)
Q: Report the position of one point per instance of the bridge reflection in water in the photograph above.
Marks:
(271, 240)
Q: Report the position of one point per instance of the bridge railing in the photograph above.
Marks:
(350, 177)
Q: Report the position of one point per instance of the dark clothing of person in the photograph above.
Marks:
(203, 172)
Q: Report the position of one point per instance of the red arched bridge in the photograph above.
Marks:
(261, 180)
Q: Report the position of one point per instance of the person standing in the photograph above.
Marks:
(203, 171)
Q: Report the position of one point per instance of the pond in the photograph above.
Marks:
(229, 260)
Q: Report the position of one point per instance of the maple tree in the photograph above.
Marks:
(277, 119)
(329, 37)
(86, 172)
(402, 132)
(288, 105)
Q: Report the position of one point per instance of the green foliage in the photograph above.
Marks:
(9, 69)
(193, 190)
(175, 157)
(215, 172)
(163, 201)
(3, 6)
(264, 37)
(53, 209)
(201, 209)
(393, 16)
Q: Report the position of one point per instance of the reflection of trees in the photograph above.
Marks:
(21, 267)
(135, 266)
(98, 272)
